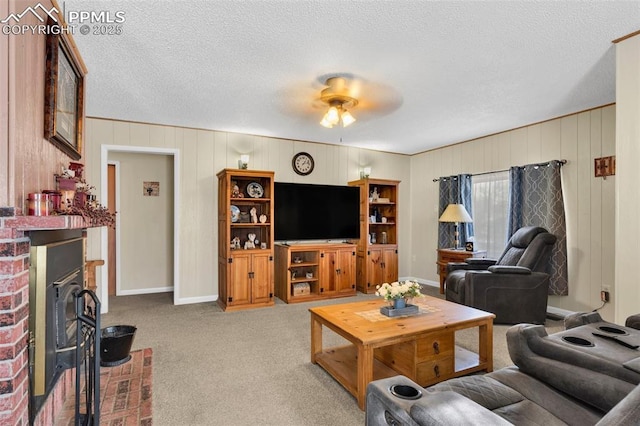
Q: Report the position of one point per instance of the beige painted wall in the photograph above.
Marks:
(145, 223)
(203, 153)
(628, 177)
(589, 201)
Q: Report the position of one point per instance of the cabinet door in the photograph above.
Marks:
(389, 265)
(328, 266)
(239, 283)
(346, 274)
(261, 278)
(374, 268)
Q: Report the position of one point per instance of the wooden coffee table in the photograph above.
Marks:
(421, 347)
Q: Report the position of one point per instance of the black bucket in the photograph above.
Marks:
(115, 344)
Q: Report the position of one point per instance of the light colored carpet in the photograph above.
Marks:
(247, 367)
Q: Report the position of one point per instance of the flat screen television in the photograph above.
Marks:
(316, 212)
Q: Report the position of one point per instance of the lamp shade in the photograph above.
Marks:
(455, 213)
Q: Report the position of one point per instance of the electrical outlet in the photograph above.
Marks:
(604, 296)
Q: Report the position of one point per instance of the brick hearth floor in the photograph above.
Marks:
(125, 393)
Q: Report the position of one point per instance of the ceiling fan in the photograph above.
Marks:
(341, 98)
(336, 95)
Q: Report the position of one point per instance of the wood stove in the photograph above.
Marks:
(56, 273)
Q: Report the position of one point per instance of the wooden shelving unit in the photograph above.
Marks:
(245, 273)
(377, 252)
(308, 272)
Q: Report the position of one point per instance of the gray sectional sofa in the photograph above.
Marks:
(585, 375)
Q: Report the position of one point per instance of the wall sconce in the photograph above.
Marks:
(365, 172)
(604, 166)
(243, 163)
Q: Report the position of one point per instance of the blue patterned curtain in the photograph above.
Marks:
(454, 190)
(536, 200)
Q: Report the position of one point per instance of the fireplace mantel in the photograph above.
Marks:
(42, 223)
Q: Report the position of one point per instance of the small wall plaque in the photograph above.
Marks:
(604, 166)
(151, 189)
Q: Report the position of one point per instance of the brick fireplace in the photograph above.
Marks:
(27, 164)
(14, 317)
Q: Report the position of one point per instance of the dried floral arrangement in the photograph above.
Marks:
(84, 203)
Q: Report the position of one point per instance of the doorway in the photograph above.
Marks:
(111, 282)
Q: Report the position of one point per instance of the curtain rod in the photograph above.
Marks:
(546, 163)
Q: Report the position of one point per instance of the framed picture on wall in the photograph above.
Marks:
(64, 95)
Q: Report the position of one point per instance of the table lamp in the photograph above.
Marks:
(455, 213)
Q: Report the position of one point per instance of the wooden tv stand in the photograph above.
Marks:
(306, 272)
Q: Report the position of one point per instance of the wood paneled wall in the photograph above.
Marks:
(31, 160)
(203, 153)
(589, 201)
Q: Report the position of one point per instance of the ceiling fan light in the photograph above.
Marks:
(332, 116)
(347, 118)
(326, 122)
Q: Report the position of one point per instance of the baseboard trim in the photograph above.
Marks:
(191, 300)
(145, 291)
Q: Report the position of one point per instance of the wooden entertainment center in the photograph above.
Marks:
(252, 269)
(306, 272)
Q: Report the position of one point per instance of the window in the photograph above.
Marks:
(490, 198)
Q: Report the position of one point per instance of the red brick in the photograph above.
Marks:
(7, 353)
(10, 233)
(21, 281)
(10, 335)
(11, 266)
(6, 387)
(6, 302)
(9, 318)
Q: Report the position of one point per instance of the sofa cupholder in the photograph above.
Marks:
(577, 341)
(612, 330)
(405, 392)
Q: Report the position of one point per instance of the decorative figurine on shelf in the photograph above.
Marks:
(378, 215)
(254, 215)
(263, 218)
(235, 190)
(250, 244)
(374, 195)
(235, 243)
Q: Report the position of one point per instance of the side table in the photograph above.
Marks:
(445, 256)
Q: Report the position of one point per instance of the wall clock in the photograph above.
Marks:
(302, 163)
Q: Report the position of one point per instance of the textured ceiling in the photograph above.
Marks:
(450, 71)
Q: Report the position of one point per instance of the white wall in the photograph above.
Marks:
(589, 201)
(203, 153)
(628, 177)
(145, 223)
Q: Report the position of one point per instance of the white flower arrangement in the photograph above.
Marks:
(398, 290)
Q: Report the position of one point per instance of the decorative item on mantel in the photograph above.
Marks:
(77, 199)
(397, 294)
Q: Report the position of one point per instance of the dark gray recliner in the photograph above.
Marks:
(515, 286)
(574, 377)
